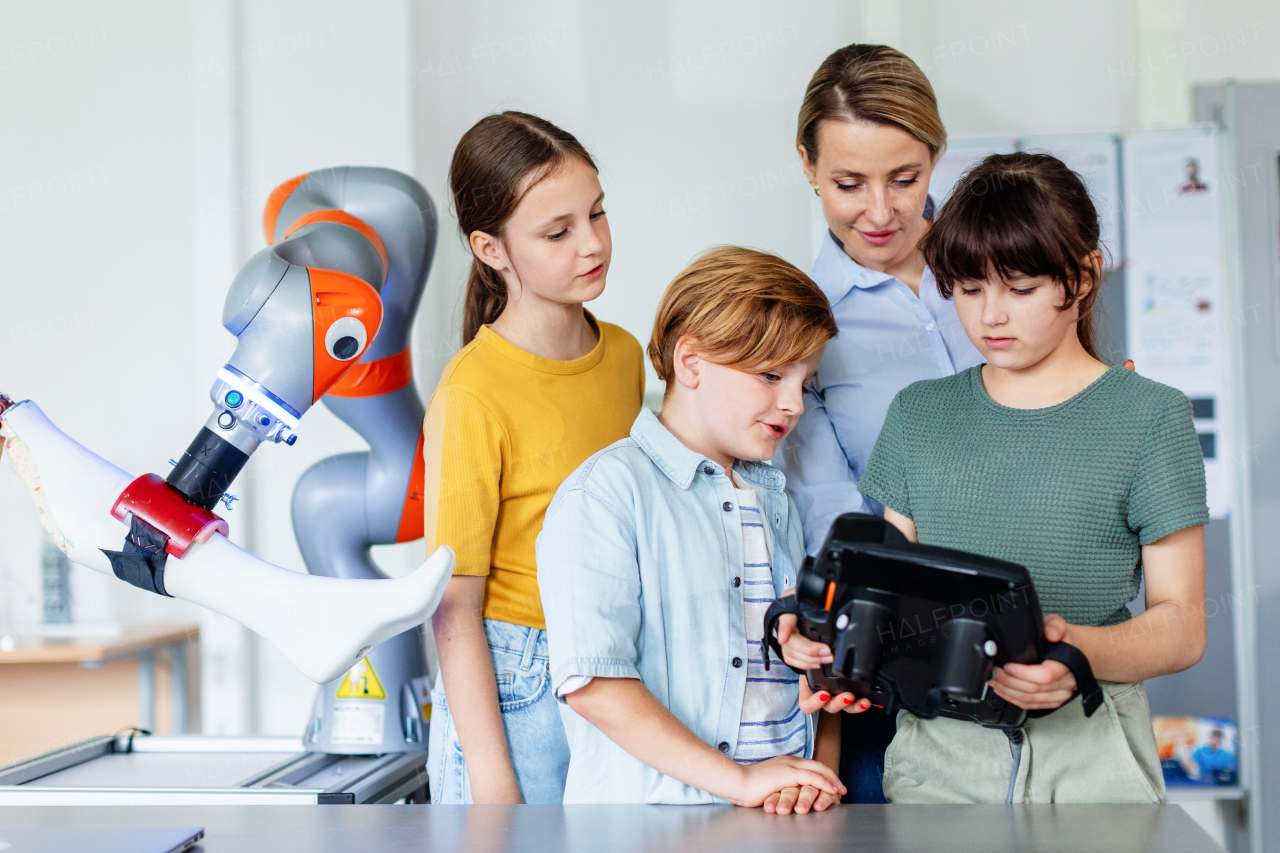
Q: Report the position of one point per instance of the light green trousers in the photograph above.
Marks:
(1066, 757)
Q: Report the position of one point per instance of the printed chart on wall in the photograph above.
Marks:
(1175, 301)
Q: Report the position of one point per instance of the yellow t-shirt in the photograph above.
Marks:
(503, 430)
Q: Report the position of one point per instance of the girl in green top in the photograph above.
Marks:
(1090, 476)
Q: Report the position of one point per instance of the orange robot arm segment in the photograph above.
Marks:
(346, 317)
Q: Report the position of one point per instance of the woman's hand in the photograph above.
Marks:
(1040, 686)
(802, 653)
(763, 780)
(800, 801)
(812, 703)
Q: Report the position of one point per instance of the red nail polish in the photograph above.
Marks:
(848, 700)
(824, 697)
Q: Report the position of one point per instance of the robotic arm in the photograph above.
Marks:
(305, 311)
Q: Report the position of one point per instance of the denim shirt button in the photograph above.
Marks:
(737, 663)
(708, 470)
(737, 582)
(728, 507)
(723, 746)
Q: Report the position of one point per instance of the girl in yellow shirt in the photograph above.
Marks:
(538, 387)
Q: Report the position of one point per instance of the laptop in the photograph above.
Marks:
(100, 839)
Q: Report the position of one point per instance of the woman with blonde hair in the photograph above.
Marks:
(868, 135)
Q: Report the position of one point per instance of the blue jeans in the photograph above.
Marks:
(535, 736)
(863, 740)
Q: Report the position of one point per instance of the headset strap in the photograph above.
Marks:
(1086, 685)
(779, 608)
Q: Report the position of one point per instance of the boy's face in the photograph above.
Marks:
(738, 414)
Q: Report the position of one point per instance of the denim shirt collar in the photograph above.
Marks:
(680, 464)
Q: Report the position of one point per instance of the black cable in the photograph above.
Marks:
(1015, 744)
(132, 730)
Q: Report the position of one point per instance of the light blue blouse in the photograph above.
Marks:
(640, 568)
(888, 339)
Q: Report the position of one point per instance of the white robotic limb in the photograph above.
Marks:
(322, 625)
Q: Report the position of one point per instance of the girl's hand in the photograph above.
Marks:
(797, 650)
(760, 781)
(811, 702)
(800, 801)
(1038, 686)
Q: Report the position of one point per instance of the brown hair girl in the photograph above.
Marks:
(496, 162)
(1021, 213)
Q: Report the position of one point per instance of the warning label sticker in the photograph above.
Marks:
(361, 682)
(421, 689)
(358, 722)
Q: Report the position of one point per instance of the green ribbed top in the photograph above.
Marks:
(1072, 491)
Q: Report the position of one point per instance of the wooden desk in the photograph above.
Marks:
(58, 690)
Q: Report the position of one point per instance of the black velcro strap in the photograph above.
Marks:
(779, 608)
(143, 558)
(1086, 685)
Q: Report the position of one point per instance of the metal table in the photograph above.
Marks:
(190, 770)
(669, 829)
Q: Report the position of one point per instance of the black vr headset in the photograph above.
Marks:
(920, 628)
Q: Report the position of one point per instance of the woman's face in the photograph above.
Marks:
(557, 244)
(873, 180)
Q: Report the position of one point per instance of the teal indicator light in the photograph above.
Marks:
(234, 399)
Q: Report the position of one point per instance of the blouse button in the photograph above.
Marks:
(728, 507)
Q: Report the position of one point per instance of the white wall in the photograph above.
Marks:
(139, 141)
(95, 200)
(688, 108)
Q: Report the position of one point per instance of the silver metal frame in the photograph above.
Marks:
(390, 778)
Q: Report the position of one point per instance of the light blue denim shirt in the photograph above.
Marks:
(640, 568)
(888, 339)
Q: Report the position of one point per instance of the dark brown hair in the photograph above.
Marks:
(872, 83)
(490, 165)
(748, 310)
(1020, 213)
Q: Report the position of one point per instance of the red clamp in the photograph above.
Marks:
(166, 509)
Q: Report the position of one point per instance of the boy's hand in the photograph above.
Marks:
(760, 781)
(797, 650)
(800, 800)
(1037, 686)
(812, 703)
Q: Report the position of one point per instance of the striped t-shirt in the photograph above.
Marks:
(771, 723)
